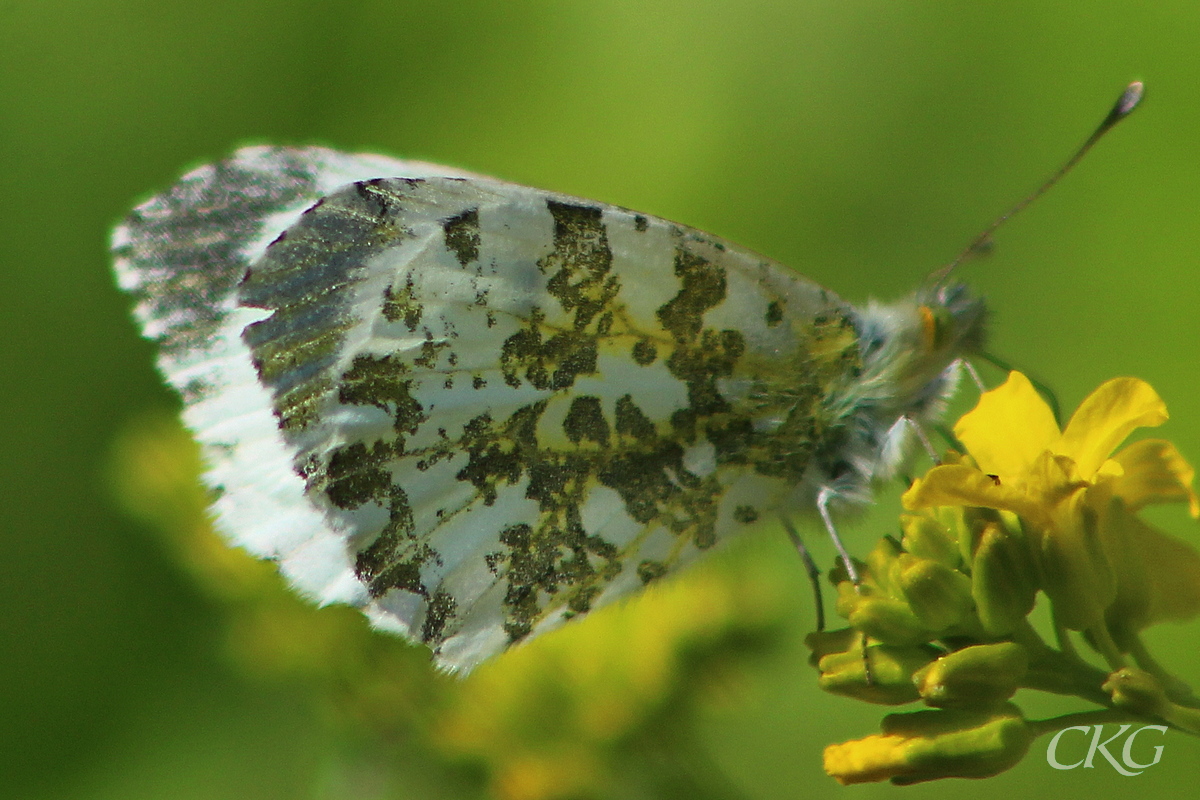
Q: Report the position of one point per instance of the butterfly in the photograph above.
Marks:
(475, 410)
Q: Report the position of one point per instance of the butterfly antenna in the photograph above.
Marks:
(1125, 104)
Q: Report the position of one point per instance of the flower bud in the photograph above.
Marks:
(1136, 690)
(933, 534)
(928, 745)
(939, 597)
(1003, 580)
(880, 674)
(881, 563)
(823, 643)
(980, 675)
(880, 617)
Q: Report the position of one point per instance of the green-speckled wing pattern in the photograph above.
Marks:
(471, 408)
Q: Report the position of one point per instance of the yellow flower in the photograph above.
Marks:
(1077, 501)
(929, 745)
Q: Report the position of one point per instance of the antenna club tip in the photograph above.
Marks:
(1130, 99)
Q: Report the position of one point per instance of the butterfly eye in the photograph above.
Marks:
(932, 328)
(937, 325)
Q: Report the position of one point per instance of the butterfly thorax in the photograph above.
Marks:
(909, 354)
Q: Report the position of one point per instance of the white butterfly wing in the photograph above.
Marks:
(474, 409)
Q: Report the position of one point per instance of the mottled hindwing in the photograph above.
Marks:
(473, 409)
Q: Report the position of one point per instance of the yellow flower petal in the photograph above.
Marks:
(958, 485)
(875, 758)
(1158, 576)
(1010, 427)
(1078, 575)
(1105, 418)
(1053, 479)
(1155, 472)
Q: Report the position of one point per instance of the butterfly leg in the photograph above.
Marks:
(969, 368)
(810, 566)
(868, 673)
(823, 497)
(923, 438)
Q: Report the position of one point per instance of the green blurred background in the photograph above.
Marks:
(862, 142)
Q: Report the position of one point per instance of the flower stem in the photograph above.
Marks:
(1059, 673)
(1176, 690)
(1103, 642)
(1083, 718)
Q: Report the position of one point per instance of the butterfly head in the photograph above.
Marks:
(950, 324)
(910, 349)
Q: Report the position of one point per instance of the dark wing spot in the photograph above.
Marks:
(745, 514)
(552, 363)
(378, 199)
(440, 611)
(585, 420)
(648, 571)
(462, 236)
(631, 421)
(358, 474)
(703, 287)
(644, 352)
(580, 262)
(701, 365)
(382, 381)
(401, 304)
(774, 313)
